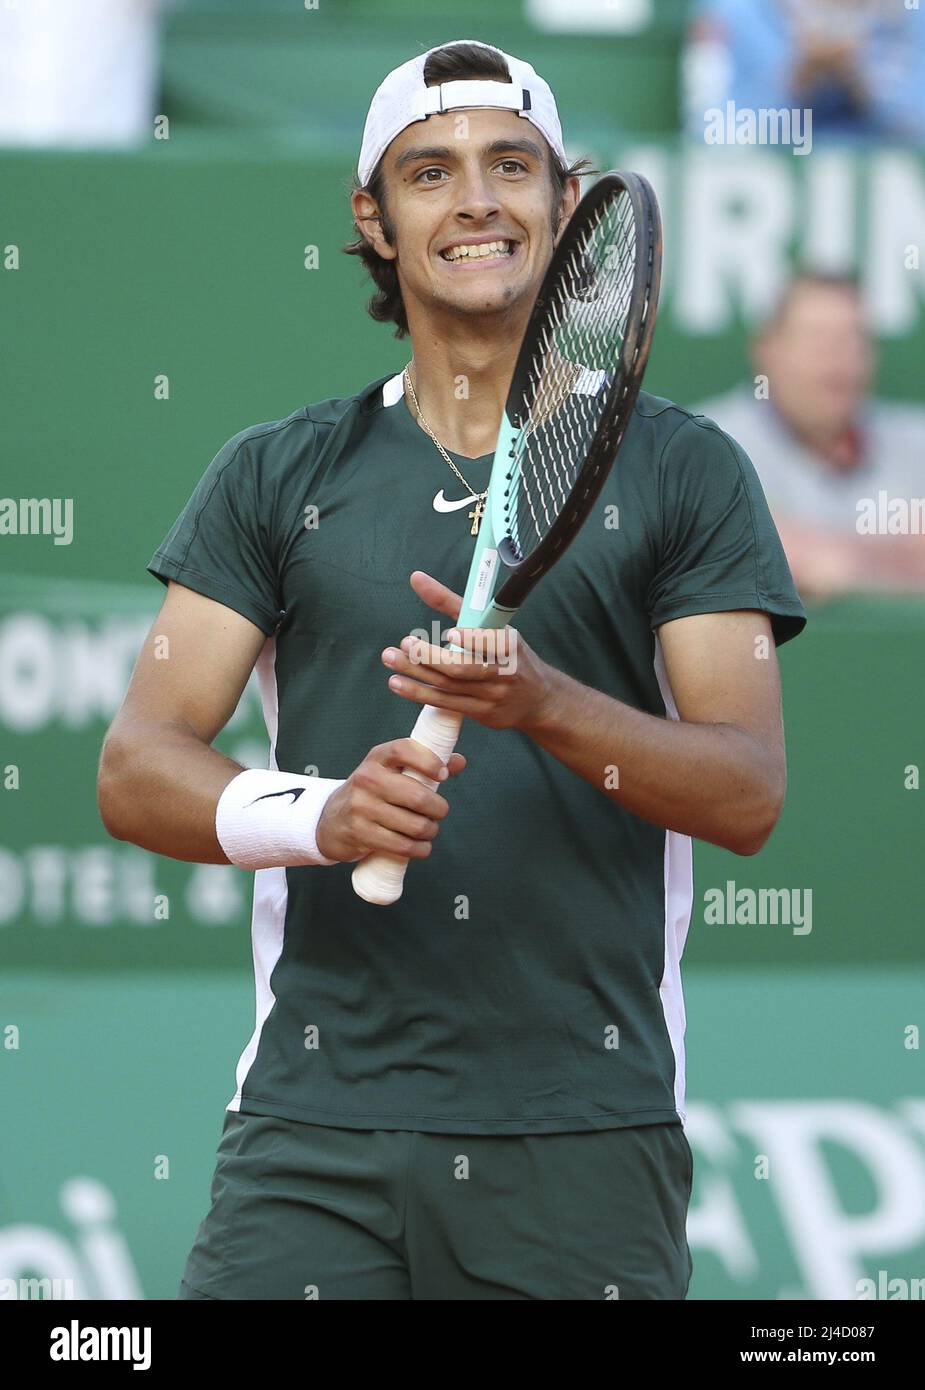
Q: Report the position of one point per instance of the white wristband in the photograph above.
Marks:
(268, 820)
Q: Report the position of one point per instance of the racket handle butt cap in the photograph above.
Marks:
(379, 879)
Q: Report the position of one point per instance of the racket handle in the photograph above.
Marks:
(380, 877)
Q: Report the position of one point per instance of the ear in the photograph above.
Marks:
(368, 219)
(571, 197)
(761, 349)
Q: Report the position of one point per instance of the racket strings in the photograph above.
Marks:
(579, 349)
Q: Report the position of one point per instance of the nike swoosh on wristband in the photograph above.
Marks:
(443, 504)
(294, 792)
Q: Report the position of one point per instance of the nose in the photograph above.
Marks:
(477, 200)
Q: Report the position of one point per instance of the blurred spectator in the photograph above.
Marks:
(79, 74)
(830, 459)
(858, 64)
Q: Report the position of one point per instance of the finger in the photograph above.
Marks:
(395, 789)
(435, 594)
(497, 645)
(451, 698)
(377, 839)
(401, 821)
(413, 654)
(407, 752)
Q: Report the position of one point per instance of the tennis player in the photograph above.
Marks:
(476, 1093)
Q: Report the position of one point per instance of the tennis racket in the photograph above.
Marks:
(571, 397)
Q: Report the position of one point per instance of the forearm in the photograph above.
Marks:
(711, 781)
(830, 563)
(894, 564)
(158, 788)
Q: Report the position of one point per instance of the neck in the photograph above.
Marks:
(839, 445)
(461, 391)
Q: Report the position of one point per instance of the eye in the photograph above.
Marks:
(518, 165)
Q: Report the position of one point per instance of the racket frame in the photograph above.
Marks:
(499, 580)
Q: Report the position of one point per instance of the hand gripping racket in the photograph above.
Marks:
(573, 390)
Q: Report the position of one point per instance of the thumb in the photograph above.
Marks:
(435, 594)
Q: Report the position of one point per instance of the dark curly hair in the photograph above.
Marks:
(455, 62)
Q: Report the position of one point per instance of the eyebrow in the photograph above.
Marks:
(445, 152)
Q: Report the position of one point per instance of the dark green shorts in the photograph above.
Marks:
(307, 1211)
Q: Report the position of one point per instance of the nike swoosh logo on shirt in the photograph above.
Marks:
(294, 792)
(442, 504)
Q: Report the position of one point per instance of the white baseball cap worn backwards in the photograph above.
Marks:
(403, 98)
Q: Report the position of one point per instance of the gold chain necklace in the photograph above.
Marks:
(475, 516)
(479, 497)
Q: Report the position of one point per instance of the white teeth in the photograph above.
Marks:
(472, 253)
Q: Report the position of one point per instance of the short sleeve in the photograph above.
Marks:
(221, 543)
(719, 546)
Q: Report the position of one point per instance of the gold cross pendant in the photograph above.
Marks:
(475, 516)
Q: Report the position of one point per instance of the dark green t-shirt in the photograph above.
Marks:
(528, 980)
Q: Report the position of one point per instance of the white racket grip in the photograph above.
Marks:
(379, 878)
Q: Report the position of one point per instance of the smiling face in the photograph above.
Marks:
(470, 197)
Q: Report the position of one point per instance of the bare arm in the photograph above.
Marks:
(719, 773)
(825, 563)
(159, 780)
